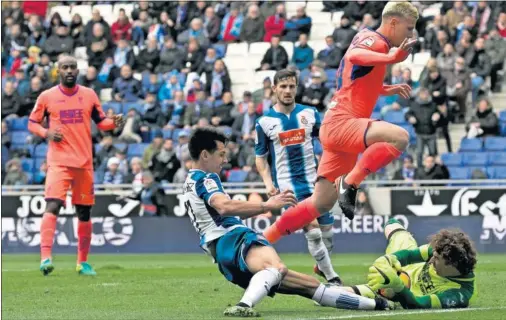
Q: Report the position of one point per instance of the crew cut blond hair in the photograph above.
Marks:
(402, 9)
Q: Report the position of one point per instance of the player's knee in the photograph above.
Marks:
(278, 265)
(311, 226)
(53, 206)
(401, 140)
(83, 212)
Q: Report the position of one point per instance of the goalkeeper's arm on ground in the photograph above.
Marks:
(452, 298)
(421, 254)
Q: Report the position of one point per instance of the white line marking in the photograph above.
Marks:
(108, 284)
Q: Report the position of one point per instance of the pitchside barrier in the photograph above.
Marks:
(120, 226)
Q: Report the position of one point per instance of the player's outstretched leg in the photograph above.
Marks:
(320, 253)
(84, 231)
(385, 142)
(47, 230)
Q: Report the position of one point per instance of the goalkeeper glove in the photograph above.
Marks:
(383, 274)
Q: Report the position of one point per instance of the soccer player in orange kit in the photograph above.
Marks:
(347, 129)
(69, 109)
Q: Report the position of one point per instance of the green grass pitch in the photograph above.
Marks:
(190, 287)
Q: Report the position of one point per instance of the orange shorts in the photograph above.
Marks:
(60, 179)
(342, 139)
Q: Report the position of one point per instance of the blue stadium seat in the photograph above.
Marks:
(471, 145)
(20, 137)
(221, 49)
(97, 177)
(121, 146)
(331, 76)
(167, 133)
(136, 105)
(4, 156)
(376, 115)
(237, 176)
(175, 134)
(491, 172)
(380, 103)
(40, 150)
(473, 159)
(19, 124)
(317, 147)
(502, 116)
(452, 159)
(471, 169)
(503, 129)
(136, 149)
(412, 134)
(27, 164)
(97, 147)
(38, 163)
(29, 177)
(497, 158)
(217, 103)
(495, 144)
(396, 117)
(457, 173)
(115, 106)
(304, 74)
(500, 172)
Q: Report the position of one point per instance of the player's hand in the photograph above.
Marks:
(436, 117)
(404, 90)
(412, 120)
(54, 135)
(118, 119)
(272, 191)
(403, 51)
(281, 200)
(383, 274)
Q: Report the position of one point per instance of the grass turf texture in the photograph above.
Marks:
(191, 287)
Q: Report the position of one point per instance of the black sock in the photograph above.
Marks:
(242, 304)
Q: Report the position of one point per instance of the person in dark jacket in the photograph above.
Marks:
(193, 57)
(59, 43)
(200, 108)
(149, 57)
(99, 47)
(218, 81)
(207, 64)
(91, 81)
(458, 85)
(221, 114)
(153, 118)
(424, 117)
(28, 102)
(343, 35)
(480, 65)
(276, 57)
(170, 57)
(196, 31)
(297, 25)
(431, 171)
(407, 172)
(315, 93)
(252, 28)
(357, 9)
(244, 124)
(484, 121)
(331, 55)
(444, 121)
(212, 24)
(96, 18)
(303, 54)
(436, 85)
(164, 163)
(126, 88)
(123, 55)
(152, 197)
(10, 100)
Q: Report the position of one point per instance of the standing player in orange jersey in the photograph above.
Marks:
(69, 109)
(347, 129)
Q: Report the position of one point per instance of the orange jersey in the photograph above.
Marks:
(72, 115)
(358, 87)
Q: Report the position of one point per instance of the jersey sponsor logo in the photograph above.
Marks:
(211, 185)
(368, 41)
(71, 116)
(292, 137)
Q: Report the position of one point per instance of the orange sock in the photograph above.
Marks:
(292, 220)
(374, 158)
(84, 229)
(47, 230)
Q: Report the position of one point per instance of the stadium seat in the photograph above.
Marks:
(471, 145)
(29, 177)
(238, 90)
(37, 163)
(237, 63)
(288, 45)
(63, 11)
(491, 172)
(128, 7)
(304, 74)
(336, 18)
(421, 58)
(380, 103)
(105, 9)
(500, 173)
(27, 164)
(20, 137)
(321, 18)
(137, 76)
(473, 159)
(221, 49)
(82, 65)
(396, 117)
(291, 7)
(129, 105)
(136, 149)
(84, 11)
(259, 48)
(459, 173)
(41, 151)
(472, 169)
(503, 129)
(115, 106)
(237, 49)
(175, 134)
(376, 115)
(452, 159)
(167, 133)
(80, 53)
(497, 158)
(19, 124)
(495, 144)
(318, 44)
(502, 116)
(237, 176)
(314, 7)
(317, 147)
(106, 94)
(261, 75)
(331, 75)
(121, 146)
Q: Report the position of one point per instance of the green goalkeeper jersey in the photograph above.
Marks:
(428, 289)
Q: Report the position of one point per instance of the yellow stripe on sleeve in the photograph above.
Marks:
(434, 301)
(424, 252)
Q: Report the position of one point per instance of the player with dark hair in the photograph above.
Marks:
(347, 129)
(244, 257)
(435, 275)
(286, 133)
(69, 109)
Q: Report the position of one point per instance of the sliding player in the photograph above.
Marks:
(286, 133)
(70, 109)
(244, 257)
(347, 129)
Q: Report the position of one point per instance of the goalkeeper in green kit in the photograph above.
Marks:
(435, 275)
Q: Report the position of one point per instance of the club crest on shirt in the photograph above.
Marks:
(210, 185)
(292, 137)
(303, 120)
(368, 41)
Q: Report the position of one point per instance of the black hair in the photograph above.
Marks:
(204, 139)
(284, 74)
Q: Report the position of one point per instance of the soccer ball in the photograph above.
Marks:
(389, 293)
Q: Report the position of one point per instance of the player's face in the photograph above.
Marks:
(218, 158)
(68, 73)
(442, 268)
(285, 91)
(403, 28)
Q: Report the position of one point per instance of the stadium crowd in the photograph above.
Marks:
(162, 65)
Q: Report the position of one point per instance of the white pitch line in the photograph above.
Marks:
(403, 313)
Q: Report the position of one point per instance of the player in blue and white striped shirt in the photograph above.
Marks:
(244, 257)
(286, 133)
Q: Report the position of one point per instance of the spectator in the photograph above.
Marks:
(444, 121)
(192, 58)
(151, 197)
(431, 171)
(153, 117)
(197, 32)
(252, 29)
(122, 28)
(424, 116)
(98, 46)
(32, 23)
(152, 149)
(363, 206)
(455, 15)
(242, 106)
(212, 24)
(407, 172)
(344, 34)
(40, 176)
(244, 124)
(276, 57)
(432, 34)
(132, 128)
(368, 22)
(207, 65)
(439, 43)
(315, 93)
(275, 25)
(28, 102)
(458, 84)
(6, 138)
(484, 122)
(37, 38)
(126, 88)
(218, 81)
(164, 163)
(258, 95)
(140, 28)
(297, 25)
(231, 24)
(424, 76)
(112, 174)
(267, 101)
(181, 173)
(357, 10)
(196, 110)
(14, 11)
(135, 175)
(182, 151)
(482, 14)
(16, 40)
(21, 84)
(501, 24)
(176, 110)
(96, 18)
(331, 55)
(464, 44)
(91, 81)
(436, 84)
(162, 30)
(107, 150)
(181, 15)
(10, 101)
(123, 54)
(166, 93)
(153, 86)
(446, 60)
(303, 54)
(149, 57)
(480, 65)
(14, 62)
(468, 26)
(221, 114)
(170, 57)
(77, 30)
(495, 46)
(15, 175)
(59, 43)
(106, 76)
(123, 162)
